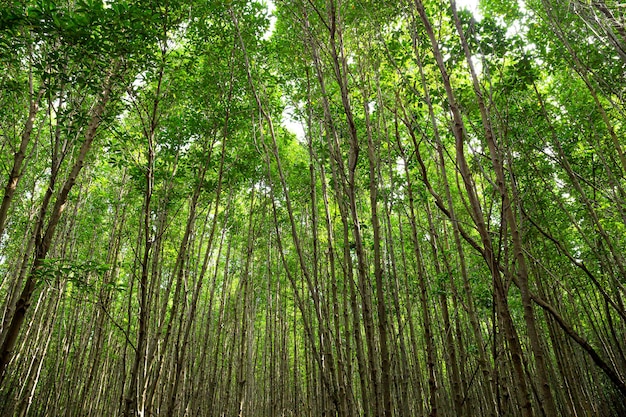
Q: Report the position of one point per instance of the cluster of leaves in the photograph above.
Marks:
(54, 272)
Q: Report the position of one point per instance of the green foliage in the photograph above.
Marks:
(239, 291)
(54, 272)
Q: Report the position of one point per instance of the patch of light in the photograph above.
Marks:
(260, 186)
(270, 11)
(519, 27)
(140, 80)
(514, 29)
(58, 105)
(477, 62)
(549, 151)
(475, 147)
(293, 125)
(531, 47)
(400, 166)
(521, 4)
(559, 183)
(471, 6)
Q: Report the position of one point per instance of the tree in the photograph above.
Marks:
(442, 236)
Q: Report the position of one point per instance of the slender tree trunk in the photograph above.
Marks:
(131, 397)
(20, 155)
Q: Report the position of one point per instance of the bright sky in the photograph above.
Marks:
(472, 5)
(270, 9)
(296, 127)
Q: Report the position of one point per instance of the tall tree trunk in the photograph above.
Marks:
(20, 155)
(131, 400)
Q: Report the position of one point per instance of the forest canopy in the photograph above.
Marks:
(312, 208)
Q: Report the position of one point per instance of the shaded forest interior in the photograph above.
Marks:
(312, 208)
